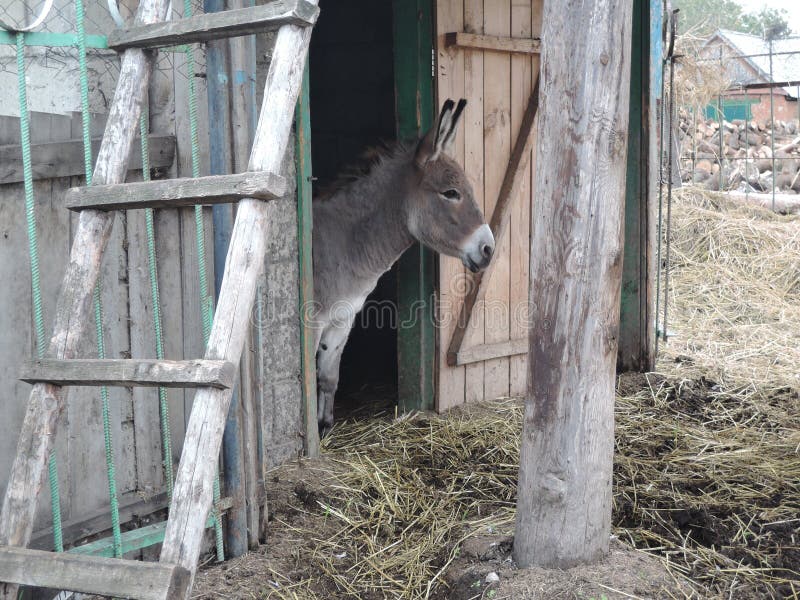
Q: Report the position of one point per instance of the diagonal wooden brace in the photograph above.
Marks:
(498, 223)
(192, 495)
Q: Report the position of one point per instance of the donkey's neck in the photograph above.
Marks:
(371, 213)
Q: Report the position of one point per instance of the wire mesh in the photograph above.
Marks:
(738, 122)
(53, 70)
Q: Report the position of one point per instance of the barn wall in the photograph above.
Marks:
(277, 316)
(128, 325)
(497, 86)
(53, 93)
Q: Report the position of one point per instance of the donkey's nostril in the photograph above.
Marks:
(487, 250)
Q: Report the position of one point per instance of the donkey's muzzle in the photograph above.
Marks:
(478, 249)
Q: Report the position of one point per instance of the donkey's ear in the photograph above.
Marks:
(435, 141)
(446, 142)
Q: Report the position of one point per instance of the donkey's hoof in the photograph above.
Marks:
(324, 428)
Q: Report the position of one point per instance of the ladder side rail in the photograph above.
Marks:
(192, 494)
(46, 402)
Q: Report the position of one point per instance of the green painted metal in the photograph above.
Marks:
(414, 97)
(54, 40)
(136, 539)
(304, 234)
(636, 339)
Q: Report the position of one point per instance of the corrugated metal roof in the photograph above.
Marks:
(785, 67)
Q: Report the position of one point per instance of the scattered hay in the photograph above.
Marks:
(707, 464)
(411, 489)
(706, 479)
(734, 299)
(698, 81)
(711, 481)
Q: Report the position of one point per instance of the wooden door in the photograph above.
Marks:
(480, 353)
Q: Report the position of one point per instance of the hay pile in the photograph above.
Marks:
(411, 489)
(707, 465)
(734, 299)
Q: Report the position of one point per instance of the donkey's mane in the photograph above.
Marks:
(370, 159)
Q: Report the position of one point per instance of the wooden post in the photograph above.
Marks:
(46, 402)
(192, 495)
(564, 496)
(221, 161)
(244, 116)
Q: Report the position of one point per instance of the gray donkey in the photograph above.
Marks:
(361, 229)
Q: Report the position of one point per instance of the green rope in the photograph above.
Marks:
(206, 302)
(33, 253)
(109, 446)
(98, 306)
(163, 406)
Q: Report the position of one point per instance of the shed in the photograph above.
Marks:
(757, 69)
(377, 70)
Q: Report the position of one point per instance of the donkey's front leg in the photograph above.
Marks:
(329, 355)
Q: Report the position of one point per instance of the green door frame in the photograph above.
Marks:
(416, 275)
(636, 350)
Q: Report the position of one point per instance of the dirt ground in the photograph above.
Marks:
(482, 569)
(706, 466)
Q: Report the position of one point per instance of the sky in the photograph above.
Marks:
(792, 7)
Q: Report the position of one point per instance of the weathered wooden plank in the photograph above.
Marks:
(64, 159)
(192, 494)
(474, 165)
(524, 72)
(450, 84)
(93, 575)
(172, 193)
(131, 372)
(565, 495)
(211, 26)
(46, 402)
(510, 188)
(308, 362)
(481, 352)
(495, 43)
(637, 339)
(497, 148)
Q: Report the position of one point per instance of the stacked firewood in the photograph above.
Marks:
(744, 158)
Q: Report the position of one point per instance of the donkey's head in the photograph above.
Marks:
(442, 212)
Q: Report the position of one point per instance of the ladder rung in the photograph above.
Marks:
(117, 578)
(211, 26)
(173, 193)
(131, 372)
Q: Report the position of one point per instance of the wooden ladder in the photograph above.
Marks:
(214, 376)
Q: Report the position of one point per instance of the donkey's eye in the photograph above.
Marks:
(452, 195)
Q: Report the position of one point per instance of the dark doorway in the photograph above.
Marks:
(352, 110)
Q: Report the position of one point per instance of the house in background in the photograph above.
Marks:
(746, 61)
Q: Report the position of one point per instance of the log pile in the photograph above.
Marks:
(744, 159)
